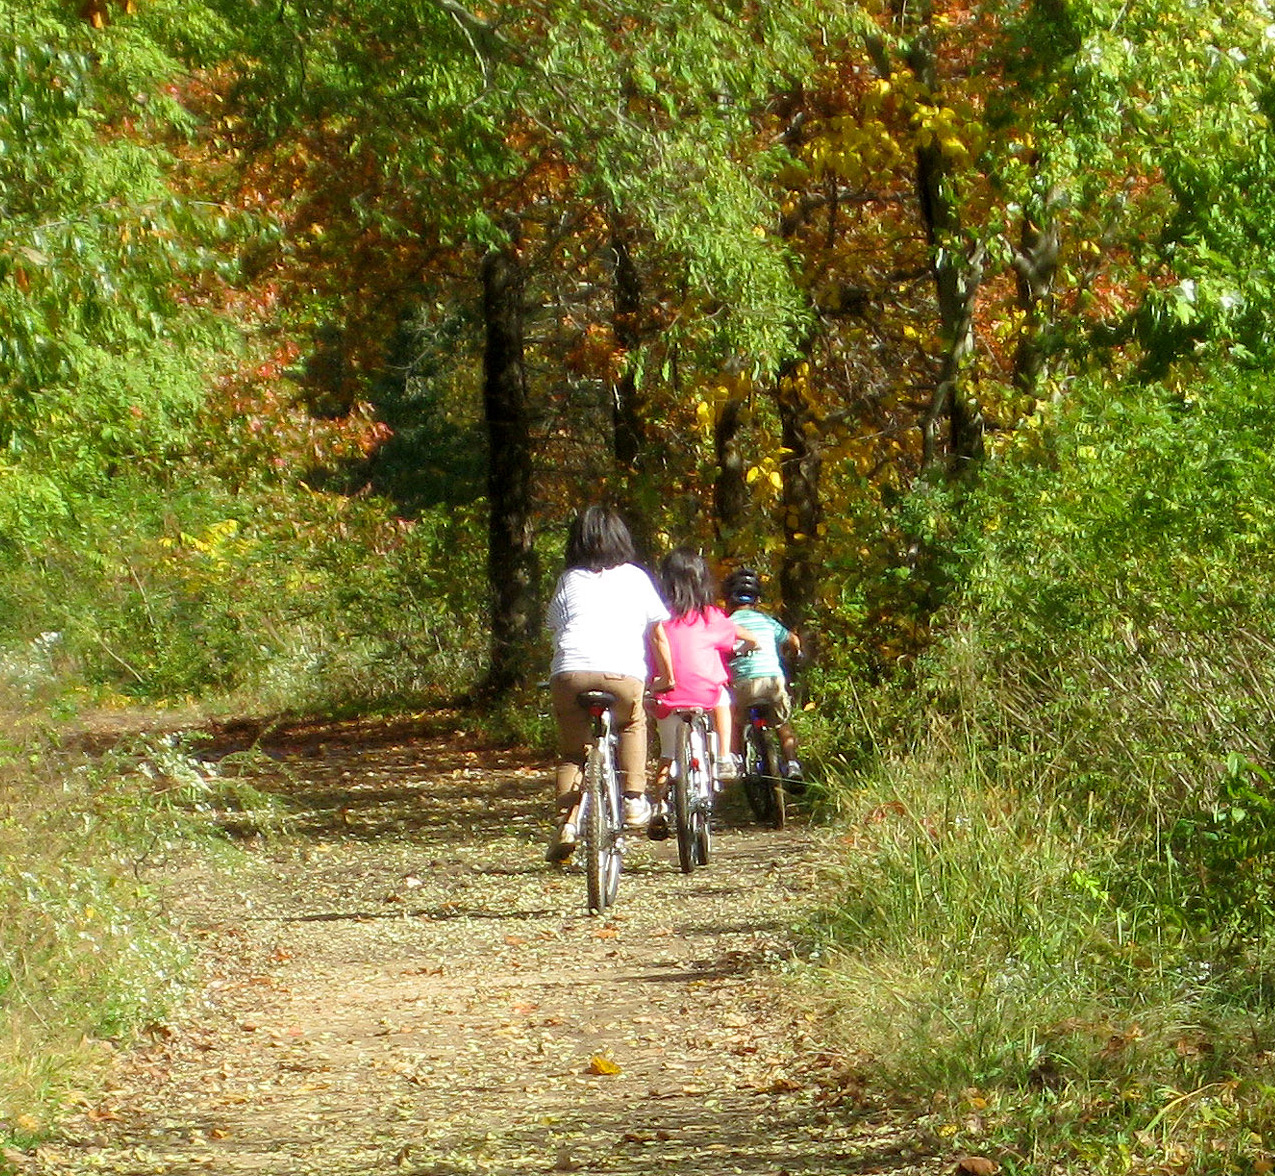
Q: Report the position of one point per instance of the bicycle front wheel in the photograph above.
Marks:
(601, 841)
(757, 786)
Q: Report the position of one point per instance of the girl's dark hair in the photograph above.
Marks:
(686, 582)
(598, 540)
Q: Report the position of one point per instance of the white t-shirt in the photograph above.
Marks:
(600, 619)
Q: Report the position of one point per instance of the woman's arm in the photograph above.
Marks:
(663, 680)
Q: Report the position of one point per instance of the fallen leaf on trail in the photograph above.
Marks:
(783, 1085)
(606, 933)
(601, 1064)
(564, 1162)
(514, 941)
(977, 1166)
(403, 1155)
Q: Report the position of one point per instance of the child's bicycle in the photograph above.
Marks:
(601, 812)
(694, 783)
(763, 782)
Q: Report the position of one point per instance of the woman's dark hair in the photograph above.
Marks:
(598, 540)
(686, 582)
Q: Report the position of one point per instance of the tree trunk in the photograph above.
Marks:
(627, 420)
(1035, 264)
(801, 466)
(958, 273)
(511, 560)
(730, 491)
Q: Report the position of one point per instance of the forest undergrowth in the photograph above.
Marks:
(1053, 921)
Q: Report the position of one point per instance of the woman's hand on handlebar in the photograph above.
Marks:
(661, 685)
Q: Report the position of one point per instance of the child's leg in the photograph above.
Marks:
(667, 728)
(723, 723)
(788, 741)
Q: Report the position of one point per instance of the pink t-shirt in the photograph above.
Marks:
(700, 643)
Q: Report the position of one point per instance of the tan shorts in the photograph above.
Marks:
(749, 691)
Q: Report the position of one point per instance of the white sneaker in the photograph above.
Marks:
(793, 770)
(637, 812)
(562, 844)
(728, 768)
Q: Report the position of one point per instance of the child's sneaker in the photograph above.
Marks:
(637, 812)
(793, 772)
(728, 768)
(658, 830)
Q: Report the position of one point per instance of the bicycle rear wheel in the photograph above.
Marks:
(775, 781)
(703, 811)
(601, 844)
(682, 794)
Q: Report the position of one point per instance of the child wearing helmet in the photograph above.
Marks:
(757, 675)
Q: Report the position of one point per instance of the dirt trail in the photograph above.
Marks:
(401, 984)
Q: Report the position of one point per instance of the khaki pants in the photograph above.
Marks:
(575, 727)
(749, 691)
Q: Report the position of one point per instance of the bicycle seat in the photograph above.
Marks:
(596, 700)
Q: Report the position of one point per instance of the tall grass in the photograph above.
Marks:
(979, 960)
(87, 956)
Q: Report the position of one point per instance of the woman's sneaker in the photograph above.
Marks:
(562, 844)
(637, 812)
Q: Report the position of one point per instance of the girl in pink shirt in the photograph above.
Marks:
(701, 639)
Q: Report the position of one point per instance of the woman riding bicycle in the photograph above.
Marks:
(604, 614)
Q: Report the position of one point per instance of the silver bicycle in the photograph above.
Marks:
(601, 813)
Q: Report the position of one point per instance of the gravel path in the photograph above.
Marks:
(401, 984)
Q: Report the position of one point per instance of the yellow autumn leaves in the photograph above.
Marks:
(896, 117)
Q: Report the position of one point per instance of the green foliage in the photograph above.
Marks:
(95, 241)
(278, 600)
